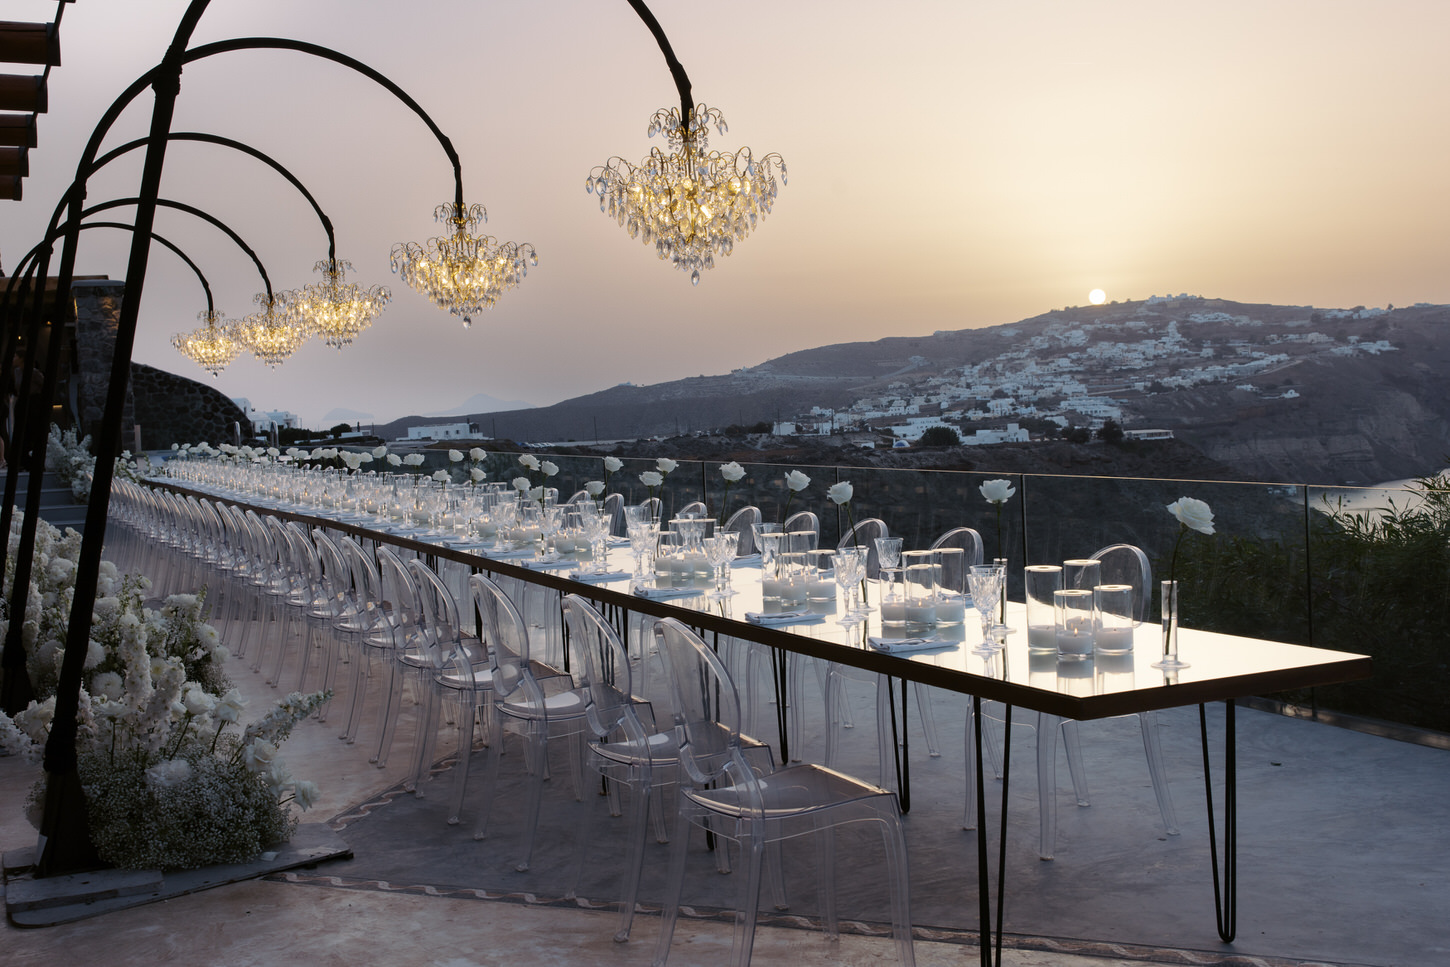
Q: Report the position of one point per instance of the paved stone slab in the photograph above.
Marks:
(312, 843)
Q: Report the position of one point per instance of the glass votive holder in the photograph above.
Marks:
(1042, 581)
(920, 592)
(951, 569)
(893, 597)
(1082, 573)
(1115, 612)
(1075, 623)
(951, 607)
(800, 542)
(820, 574)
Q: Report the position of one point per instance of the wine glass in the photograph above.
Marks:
(850, 569)
(720, 551)
(986, 585)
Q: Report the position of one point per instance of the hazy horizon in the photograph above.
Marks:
(951, 166)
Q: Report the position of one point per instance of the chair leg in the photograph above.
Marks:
(1148, 722)
(1047, 727)
(670, 914)
(928, 719)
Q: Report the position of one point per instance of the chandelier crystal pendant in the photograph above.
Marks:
(335, 309)
(212, 345)
(275, 332)
(692, 203)
(463, 272)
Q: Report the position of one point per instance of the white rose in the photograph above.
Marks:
(229, 709)
(797, 481)
(394, 460)
(455, 455)
(666, 465)
(305, 793)
(441, 476)
(1193, 514)
(594, 487)
(477, 473)
(197, 701)
(258, 754)
(364, 458)
(529, 461)
(839, 493)
(732, 471)
(549, 468)
(536, 494)
(414, 459)
(651, 478)
(477, 454)
(613, 464)
(522, 484)
(380, 452)
(997, 491)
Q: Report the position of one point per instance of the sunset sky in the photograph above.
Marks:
(952, 164)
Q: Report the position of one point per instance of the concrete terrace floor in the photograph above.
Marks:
(1342, 861)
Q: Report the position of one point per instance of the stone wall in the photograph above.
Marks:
(98, 313)
(173, 409)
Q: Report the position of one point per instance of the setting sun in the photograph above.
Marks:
(1097, 297)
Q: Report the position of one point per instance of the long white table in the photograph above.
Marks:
(1221, 668)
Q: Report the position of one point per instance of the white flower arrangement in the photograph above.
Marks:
(795, 482)
(70, 459)
(172, 779)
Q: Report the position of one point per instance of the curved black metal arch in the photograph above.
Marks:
(204, 138)
(190, 210)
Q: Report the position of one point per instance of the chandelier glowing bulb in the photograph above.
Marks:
(211, 346)
(335, 309)
(463, 272)
(273, 333)
(693, 204)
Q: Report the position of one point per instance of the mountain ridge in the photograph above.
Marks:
(1281, 393)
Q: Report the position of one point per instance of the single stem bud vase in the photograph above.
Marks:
(1168, 606)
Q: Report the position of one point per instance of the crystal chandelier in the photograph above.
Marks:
(462, 272)
(693, 204)
(273, 333)
(335, 309)
(211, 346)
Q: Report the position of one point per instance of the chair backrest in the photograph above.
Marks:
(614, 507)
(399, 598)
(742, 522)
(579, 497)
(507, 636)
(971, 544)
(695, 508)
(336, 574)
(655, 504)
(802, 520)
(865, 533)
(602, 668)
(706, 711)
(438, 623)
(1127, 564)
(367, 587)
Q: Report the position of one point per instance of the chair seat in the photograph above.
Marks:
(790, 792)
(562, 705)
(660, 747)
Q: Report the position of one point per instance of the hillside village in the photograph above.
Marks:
(1084, 372)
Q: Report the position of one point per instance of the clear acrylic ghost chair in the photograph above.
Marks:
(1125, 564)
(694, 508)
(406, 652)
(738, 798)
(802, 520)
(537, 707)
(742, 522)
(456, 670)
(626, 750)
(614, 508)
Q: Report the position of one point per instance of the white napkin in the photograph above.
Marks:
(661, 593)
(589, 577)
(557, 563)
(783, 617)
(894, 645)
